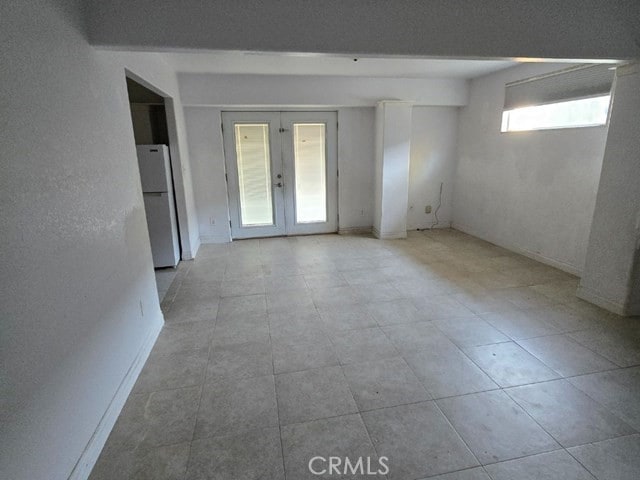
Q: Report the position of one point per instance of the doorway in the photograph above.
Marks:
(151, 135)
(282, 173)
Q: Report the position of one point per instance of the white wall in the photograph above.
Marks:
(355, 162)
(448, 28)
(434, 136)
(206, 95)
(611, 274)
(378, 171)
(206, 156)
(356, 155)
(182, 178)
(79, 304)
(532, 192)
(393, 151)
(316, 90)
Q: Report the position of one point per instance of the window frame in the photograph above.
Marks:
(504, 125)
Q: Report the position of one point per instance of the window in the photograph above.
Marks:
(586, 112)
(574, 97)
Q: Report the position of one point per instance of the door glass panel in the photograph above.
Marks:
(254, 174)
(310, 172)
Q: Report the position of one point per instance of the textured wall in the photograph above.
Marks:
(533, 192)
(434, 136)
(612, 274)
(79, 298)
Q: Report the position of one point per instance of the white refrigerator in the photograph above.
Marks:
(157, 189)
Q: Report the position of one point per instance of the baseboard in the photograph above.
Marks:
(565, 267)
(88, 459)
(592, 297)
(204, 239)
(388, 235)
(354, 230)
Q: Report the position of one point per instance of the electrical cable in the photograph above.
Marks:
(435, 212)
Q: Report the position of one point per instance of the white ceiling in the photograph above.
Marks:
(320, 64)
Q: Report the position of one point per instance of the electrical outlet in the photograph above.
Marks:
(427, 209)
(212, 221)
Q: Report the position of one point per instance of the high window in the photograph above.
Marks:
(574, 97)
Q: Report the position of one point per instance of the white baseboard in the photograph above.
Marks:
(592, 297)
(88, 459)
(354, 230)
(565, 267)
(388, 235)
(204, 239)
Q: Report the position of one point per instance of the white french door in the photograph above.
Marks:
(282, 172)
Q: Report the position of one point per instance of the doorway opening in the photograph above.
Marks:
(282, 173)
(151, 134)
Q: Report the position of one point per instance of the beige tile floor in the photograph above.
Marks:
(164, 279)
(454, 358)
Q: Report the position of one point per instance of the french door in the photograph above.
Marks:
(282, 172)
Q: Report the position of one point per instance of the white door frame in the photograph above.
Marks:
(330, 119)
(282, 162)
(272, 119)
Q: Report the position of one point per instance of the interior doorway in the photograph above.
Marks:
(151, 134)
(282, 173)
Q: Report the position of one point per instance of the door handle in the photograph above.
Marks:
(279, 184)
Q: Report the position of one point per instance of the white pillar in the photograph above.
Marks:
(393, 144)
(611, 276)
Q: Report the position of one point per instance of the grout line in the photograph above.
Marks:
(275, 391)
(402, 405)
(580, 463)
(458, 471)
(202, 386)
(459, 435)
(524, 456)
(593, 443)
(602, 355)
(359, 413)
(517, 342)
(398, 255)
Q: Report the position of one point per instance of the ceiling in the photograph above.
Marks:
(320, 64)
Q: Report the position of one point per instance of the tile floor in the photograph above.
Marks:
(164, 279)
(454, 358)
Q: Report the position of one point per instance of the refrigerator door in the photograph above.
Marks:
(163, 231)
(154, 167)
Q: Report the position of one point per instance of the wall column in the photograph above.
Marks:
(393, 145)
(611, 276)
